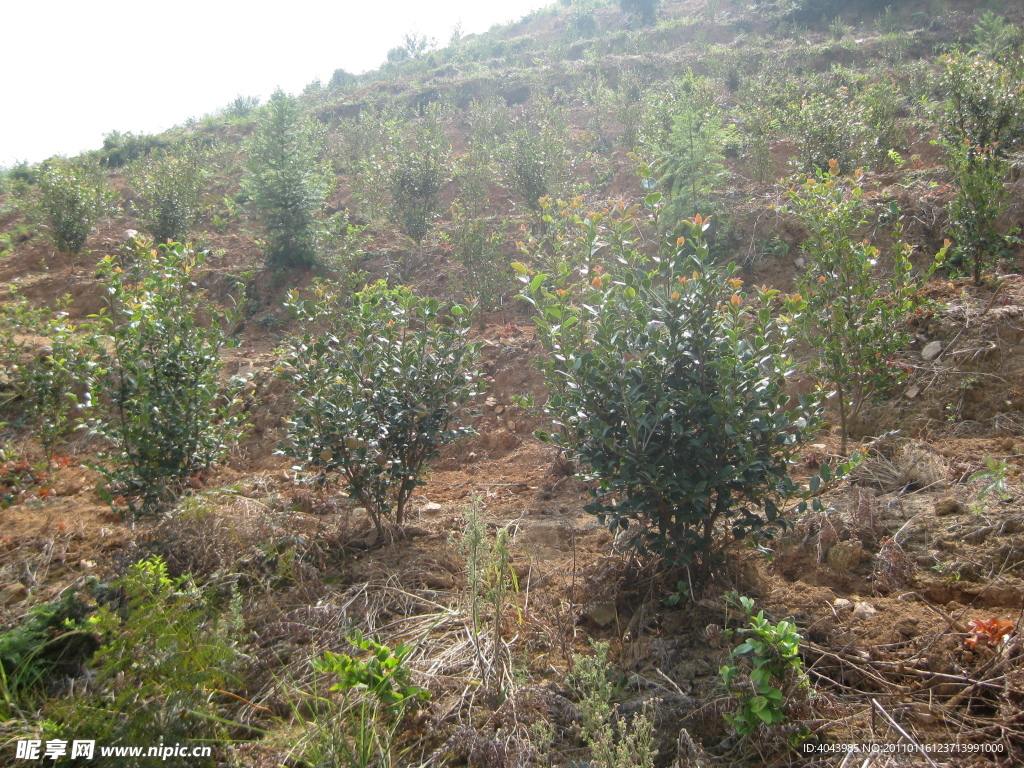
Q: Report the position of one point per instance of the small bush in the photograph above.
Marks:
(166, 415)
(978, 202)
(288, 182)
(169, 185)
(982, 102)
(478, 248)
(665, 359)
(645, 10)
(376, 390)
(54, 640)
(847, 313)
(684, 138)
(119, 149)
(55, 381)
(826, 126)
(535, 158)
(242, 106)
(419, 175)
(72, 197)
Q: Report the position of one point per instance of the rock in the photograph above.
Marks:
(841, 604)
(13, 593)
(431, 507)
(799, 263)
(128, 235)
(511, 426)
(931, 350)
(912, 392)
(602, 614)
(359, 511)
(499, 409)
(491, 403)
(846, 555)
(948, 506)
(864, 611)
(86, 565)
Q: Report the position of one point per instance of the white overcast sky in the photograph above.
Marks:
(73, 70)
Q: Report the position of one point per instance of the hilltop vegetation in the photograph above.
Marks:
(434, 416)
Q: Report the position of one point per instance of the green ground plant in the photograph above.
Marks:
(72, 197)
(165, 413)
(852, 318)
(165, 661)
(763, 671)
(490, 582)
(359, 729)
(52, 641)
(613, 742)
(377, 387)
(288, 181)
(662, 357)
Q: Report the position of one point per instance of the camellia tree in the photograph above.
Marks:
(377, 387)
(669, 385)
(850, 313)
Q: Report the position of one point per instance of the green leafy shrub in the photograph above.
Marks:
(419, 175)
(982, 102)
(763, 671)
(376, 390)
(535, 158)
(72, 197)
(645, 10)
(169, 187)
(119, 149)
(242, 106)
(166, 414)
(360, 729)
(288, 182)
(979, 200)
(852, 318)
(826, 126)
(663, 358)
(56, 381)
(478, 249)
(384, 674)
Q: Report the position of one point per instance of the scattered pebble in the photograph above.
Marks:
(864, 611)
(931, 350)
